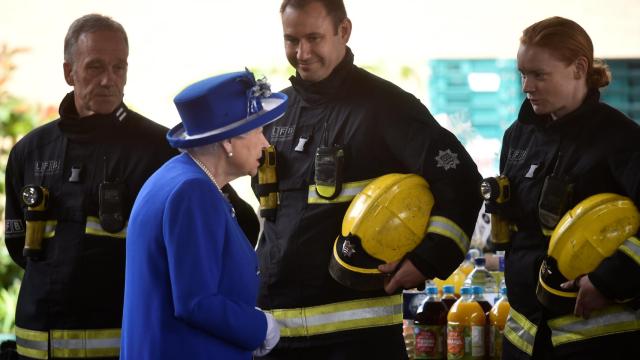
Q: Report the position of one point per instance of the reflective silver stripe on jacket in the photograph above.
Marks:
(94, 228)
(34, 344)
(520, 331)
(349, 191)
(631, 247)
(611, 320)
(447, 228)
(347, 315)
(85, 343)
(50, 229)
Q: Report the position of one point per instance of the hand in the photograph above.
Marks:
(404, 276)
(272, 338)
(589, 297)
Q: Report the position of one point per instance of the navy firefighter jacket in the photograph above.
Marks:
(78, 282)
(381, 129)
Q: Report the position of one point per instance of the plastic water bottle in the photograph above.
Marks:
(499, 275)
(480, 276)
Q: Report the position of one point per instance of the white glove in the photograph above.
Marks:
(273, 336)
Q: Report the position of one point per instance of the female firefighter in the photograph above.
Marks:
(566, 146)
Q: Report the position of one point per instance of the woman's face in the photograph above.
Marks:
(247, 150)
(553, 87)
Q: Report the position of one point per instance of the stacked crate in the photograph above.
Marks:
(486, 93)
(491, 110)
(624, 91)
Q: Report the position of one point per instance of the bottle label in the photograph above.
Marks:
(477, 341)
(429, 340)
(456, 341)
(409, 340)
(492, 341)
(496, 343)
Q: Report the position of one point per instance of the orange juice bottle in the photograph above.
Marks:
(467, 265)
(478, 296)
(465, 329)
(456, 279)
(497, 319)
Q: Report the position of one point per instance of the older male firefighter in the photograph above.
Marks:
(70, 187)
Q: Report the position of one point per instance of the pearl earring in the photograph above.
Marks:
(229, 154)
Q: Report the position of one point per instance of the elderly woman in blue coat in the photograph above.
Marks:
(191, 278)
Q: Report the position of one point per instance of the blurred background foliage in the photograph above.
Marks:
(17, 117)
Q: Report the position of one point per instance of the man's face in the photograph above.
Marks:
(98, 72)
(310, 41)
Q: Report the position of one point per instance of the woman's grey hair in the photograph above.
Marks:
(204, 149)
(89, 24)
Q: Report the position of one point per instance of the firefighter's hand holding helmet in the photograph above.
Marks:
(406, 276)
(386, 220)
(589, 297)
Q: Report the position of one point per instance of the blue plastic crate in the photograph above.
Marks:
(624, 91)
(491, 132)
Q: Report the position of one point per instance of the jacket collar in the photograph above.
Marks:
(544, 122)
(92, 127)
(315, 93)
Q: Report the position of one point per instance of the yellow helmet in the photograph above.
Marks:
(385, 220)
(587, 234)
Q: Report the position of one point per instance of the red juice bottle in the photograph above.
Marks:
(430, 327)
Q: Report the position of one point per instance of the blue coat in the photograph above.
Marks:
(191, 278)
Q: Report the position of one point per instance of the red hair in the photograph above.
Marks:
(568, 41)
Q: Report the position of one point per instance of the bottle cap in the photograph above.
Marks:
(432, 290)
(477, 290)
(448, 289)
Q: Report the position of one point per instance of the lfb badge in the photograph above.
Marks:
(348, 249)
(447, 159)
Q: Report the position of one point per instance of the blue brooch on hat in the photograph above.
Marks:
(222, 107)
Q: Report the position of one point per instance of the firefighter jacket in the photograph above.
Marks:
(591, 150)
(378, 129)
(75, 291)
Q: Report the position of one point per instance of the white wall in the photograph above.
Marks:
(174, 43)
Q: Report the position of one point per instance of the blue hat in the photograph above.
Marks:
(222, 107)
